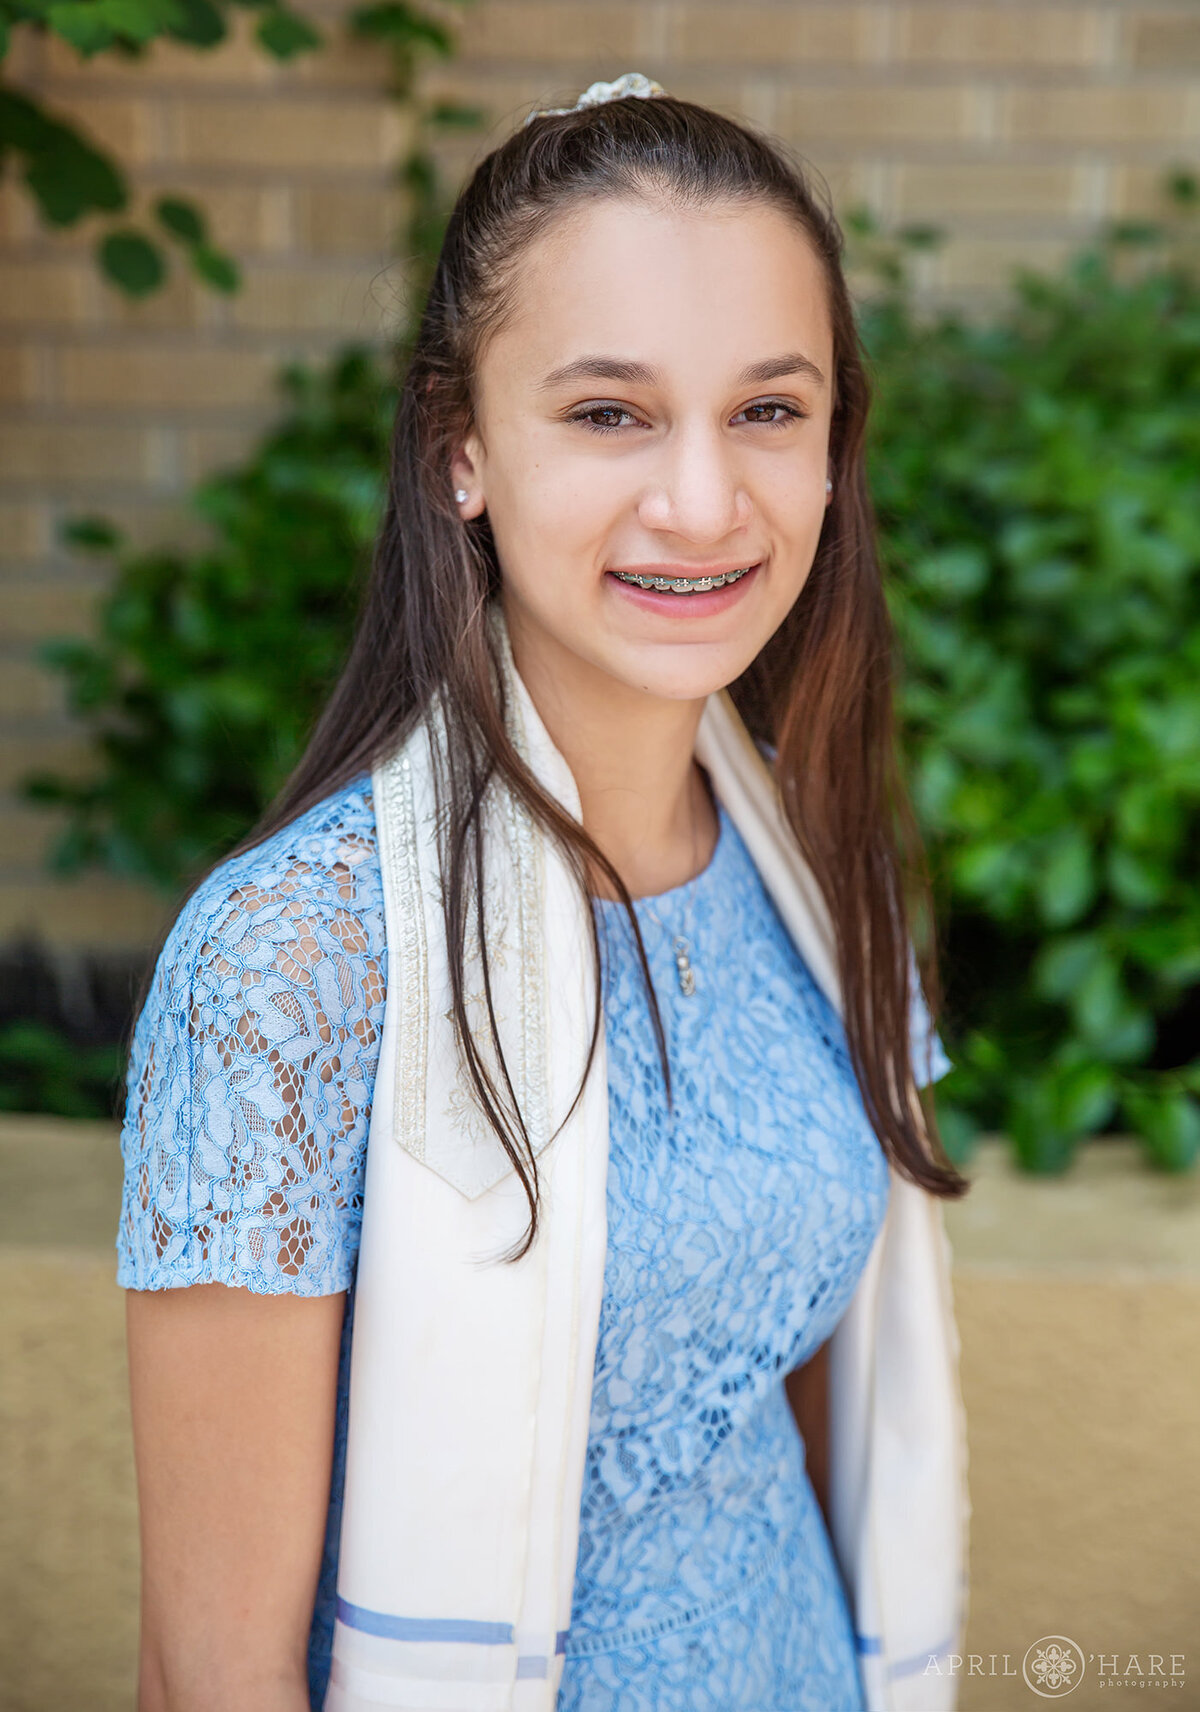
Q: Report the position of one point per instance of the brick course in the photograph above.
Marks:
(1014, 126)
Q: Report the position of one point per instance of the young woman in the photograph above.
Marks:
(493, 1410)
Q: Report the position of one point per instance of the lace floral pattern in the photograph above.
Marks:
(253, 1064)
(738, 1227)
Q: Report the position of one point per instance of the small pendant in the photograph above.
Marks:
(687, 981)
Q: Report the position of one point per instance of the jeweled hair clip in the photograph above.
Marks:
(632, 83)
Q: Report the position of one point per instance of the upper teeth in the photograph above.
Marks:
(683, 585)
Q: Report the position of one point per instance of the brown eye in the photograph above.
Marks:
(773, 413)
(604, 416)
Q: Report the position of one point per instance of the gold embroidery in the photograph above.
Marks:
(408, 963)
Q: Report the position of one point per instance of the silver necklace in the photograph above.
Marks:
(681, 944)
(681, 950)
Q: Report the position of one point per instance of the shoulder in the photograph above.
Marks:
(309, 892)
(320, 873)
(253, 1064)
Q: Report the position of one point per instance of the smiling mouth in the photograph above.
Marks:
(683, 585)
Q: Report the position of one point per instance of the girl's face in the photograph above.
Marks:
(656, 404)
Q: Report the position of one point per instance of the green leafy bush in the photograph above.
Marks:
(1036, 482)
(1036, 479)
(208, 667)
(41, 1070)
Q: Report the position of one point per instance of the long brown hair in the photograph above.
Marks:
(820, 691)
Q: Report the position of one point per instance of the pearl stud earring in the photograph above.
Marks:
(461, 495)
(828, 485)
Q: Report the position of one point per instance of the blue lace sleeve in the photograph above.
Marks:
(253, 1065)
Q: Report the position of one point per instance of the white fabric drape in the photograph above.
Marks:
(470, 1382)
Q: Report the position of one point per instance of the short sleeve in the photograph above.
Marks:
(929, 1058)
(253, 1066)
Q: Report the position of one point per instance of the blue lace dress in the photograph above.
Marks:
(739, 1224)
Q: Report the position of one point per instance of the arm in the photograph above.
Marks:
(233, 1399)
(244, 1146)
(808, 1394)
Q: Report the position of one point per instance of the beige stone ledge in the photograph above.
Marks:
(1111, 1211)
(1078, 1305)
(60, 1184)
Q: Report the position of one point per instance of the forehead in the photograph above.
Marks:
(697, 290)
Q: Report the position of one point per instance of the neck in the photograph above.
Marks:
(643, 798)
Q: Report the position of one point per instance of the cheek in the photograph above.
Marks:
(554, 503)
(795, 510)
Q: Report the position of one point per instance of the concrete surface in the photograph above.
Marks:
(1078, 1304)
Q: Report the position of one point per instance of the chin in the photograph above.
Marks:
(694, 673)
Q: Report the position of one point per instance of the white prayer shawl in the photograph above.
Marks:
(471, 1379)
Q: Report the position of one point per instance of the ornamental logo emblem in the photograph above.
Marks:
(1053, 1666)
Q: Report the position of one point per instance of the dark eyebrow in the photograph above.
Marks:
(775, 368)
(642, 374)
(602, 368)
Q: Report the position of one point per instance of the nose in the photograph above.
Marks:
(697, 493)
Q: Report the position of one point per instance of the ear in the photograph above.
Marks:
(466, 474)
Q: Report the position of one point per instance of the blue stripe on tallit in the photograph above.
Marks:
(459, 1631)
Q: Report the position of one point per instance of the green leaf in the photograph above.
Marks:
(958, 1129)
(92, 25)
(132, 262)
(957, 571)
(93, 534)
(1062, 965)
(861, 219)
(1109, 1023)
(1135, 880)
(1169, 1121)
(1066, 882)
(198, 22)
(23, 124)
(983, 868)
(43, 1071)
(1135, 233)
(182, 219)
(216, 268)
(456, 115)
(285, 33)
(921, 236)
(1084, 1097)
(69, 179)
(1031, 1118)
(140, 20)
(1183, 187)
(82, 23)
(418, 173)
(402, 26)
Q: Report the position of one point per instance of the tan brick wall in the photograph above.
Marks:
(1014, 125)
